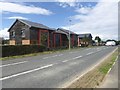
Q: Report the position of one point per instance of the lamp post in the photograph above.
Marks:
(69, 36)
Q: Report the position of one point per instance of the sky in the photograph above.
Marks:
(100, 18)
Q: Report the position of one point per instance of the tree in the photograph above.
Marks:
(98, 40)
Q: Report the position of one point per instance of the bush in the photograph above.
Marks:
(11, 50)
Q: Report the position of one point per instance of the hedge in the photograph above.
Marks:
(12, 50)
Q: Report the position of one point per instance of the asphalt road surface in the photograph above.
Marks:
(51, 70)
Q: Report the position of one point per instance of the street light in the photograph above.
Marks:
(69, 36)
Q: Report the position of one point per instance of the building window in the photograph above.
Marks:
(13, 34)
(23, 33)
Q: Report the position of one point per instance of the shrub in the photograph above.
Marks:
(11, 50)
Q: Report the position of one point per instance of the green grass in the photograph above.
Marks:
(105, 68)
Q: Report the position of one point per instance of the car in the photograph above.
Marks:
(110, 43)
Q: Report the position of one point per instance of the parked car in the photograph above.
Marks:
(110, 43)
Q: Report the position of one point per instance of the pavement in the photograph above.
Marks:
(51, 70)
(111, 80)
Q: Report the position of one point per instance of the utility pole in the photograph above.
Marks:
(69, 41)
(69, 36)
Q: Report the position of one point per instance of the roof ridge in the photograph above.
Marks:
(34, 24)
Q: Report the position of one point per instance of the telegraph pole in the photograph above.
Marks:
(69, 36)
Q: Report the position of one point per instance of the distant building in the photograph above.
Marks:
(85, 39)
(73, 36)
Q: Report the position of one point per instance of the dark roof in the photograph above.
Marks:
(65, 31)
(57, 31)
(32, 24)
(83, 35)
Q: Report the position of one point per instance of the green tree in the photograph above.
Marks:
(98, 40)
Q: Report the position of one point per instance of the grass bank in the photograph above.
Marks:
(94, 78)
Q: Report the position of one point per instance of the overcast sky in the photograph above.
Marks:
(98, 18)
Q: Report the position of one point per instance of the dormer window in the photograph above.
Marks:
(13, 34)
(23, 33)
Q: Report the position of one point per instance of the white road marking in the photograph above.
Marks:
(60, 54)
(52, 56)
(91, 68)
(45, 57)
(26, 72)
(65, 60)
(89, 53)
(74, 52)
(13, 64)
(72, 59)
(76, 57)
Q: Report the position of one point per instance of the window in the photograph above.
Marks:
(13, 34)
(23, 33)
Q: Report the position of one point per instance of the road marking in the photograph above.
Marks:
(60, 54)
(13, 64)
(65, 60)
(45, 57)
(74, 52)
(88, 70)
(76, 57)
(52, 56)
(90, 53)
(26, 72)
(72, 59)
(98, 48)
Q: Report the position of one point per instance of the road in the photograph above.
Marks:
(51, 70)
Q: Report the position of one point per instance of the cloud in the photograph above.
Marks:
(17, 17)
(4, 33)
(101, 20)
(23, 9)
(67, 3)
(84, 10)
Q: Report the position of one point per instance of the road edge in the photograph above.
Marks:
(66, 85)
(108, 72)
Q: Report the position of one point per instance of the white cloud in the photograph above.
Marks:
(17, 17)
(24, 9)
(66, 3)
(84, 10)
(4, 33)
(102, 20)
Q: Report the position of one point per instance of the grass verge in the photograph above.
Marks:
(94, 78)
